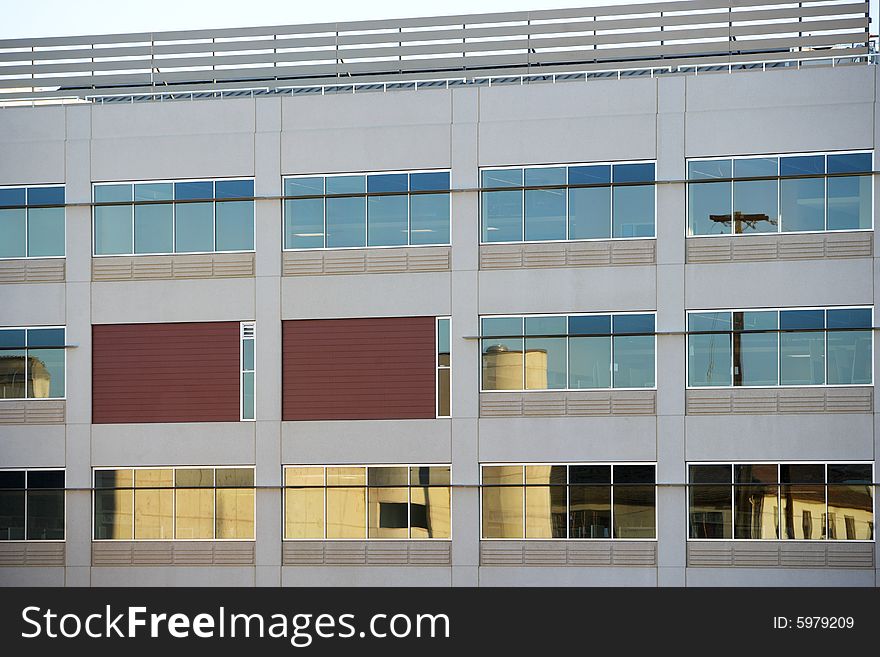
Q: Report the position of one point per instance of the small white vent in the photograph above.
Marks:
(248, 330)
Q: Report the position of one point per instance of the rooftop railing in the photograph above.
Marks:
(547, 45)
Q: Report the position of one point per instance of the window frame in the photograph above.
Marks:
(62, 348)
(26, 207)
(173, 489)
(567, 336)
(438, 367)
(778, 333)
(244, 327)
(825, 176)
(365, 195)
(26, 470)
(366, 488)
(778, 484)
(566, 187)
(173, 203)
(568, 486)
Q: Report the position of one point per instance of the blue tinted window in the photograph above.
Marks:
(849, 318)
(503, 178)
(590, 175)
(633, 324)
(45, 196)
(801, 165)
(428, 182)
(709, 169)
(512, 326)
(545, 176)
(12, 197)
(187, 191)
(545, 325)
(709, 321)
(12, 233)
(304, 186)
(801, 319)
(754, 167)
(346, 184)
(234, 189)
(13, 338)
(154, 192)
(45, 337)
(849, 163)
(112, 193)
(624, 173)
(594, 325)
(429, 219)
(393, 182)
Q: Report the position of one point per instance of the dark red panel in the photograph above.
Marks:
(359, 369)
(166, 372)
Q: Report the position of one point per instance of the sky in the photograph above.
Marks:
(37, 18)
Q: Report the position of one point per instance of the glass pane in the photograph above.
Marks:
(721, 321)
(387, 182)
(235, 226)
(388, 509)
(597, 174)
(304, 186)
(802, 203)
(638, 172)
(597, 325)
(502, 216)
(502, 326)
(502, 178)
(756, 502)
(430, 475)
(12, 338)
(634, 474)
(346, 507)
(634, 511)
(589, 213)
(849, 203)
(304, 223)
(234, 189)
(45, 515)
(247, 396)
(848, 318)
(589, 362)
(755, 167)
(13, 374)
(194, 190)
(194, 501)
(709, 208)
(849, 163)
(801, 319)
(802, 165)
(849, 357)
(851, 512)
(429, 219)
(633, 211)
(590, 512)
(388, 476)
(710, 505)
(429, 181)
(755, 355)
(304, 507)
(430, 512)
(113, 508)
(113, 229)
(443, 341)
(802, 359)
(545, 363)
(154, 192)
(709, 360)
(755, 206)
(502, 501)
(444, 393)
(113, 193)
(45, 232)
(387, 220)
(502, 364)
(194, 227)
(12, 196)
(247, 355)
(633, 324)
(153, 504)
(12, 233)
(538, 176)
(154, 228)
(45, 373)
(346, 221)
(634, 361)
(235, 513)
(709, 169)
(12, 505)
(803, 501)
(546, 511)
(545, 214)
(346, 184)
(234, 477)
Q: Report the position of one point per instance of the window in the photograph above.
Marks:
(367, 502)
(196, 216)
(582, 202)
(32, 222)
(790, 501)
(174, 503)
(32, 363)
(444, 368)
(760, 348)
(568, 352)
(248, 370)
(797, 193)
(578, 501)
(376, 209)
(31, 505)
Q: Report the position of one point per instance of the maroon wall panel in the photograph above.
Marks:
(165, 372)
(359, 369)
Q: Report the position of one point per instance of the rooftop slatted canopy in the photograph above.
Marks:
(557, 41)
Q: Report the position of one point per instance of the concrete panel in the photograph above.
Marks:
(591, 289)
(30, 304)
(367, 441)
(31, 576)
(19, 124)
(789, 437)
(373, 295)
(366, 576)
(220, 443)
(569, 576)
(32, 162)
(566, 440)
(401, 108)
(173, 301)
(778, 577)
(173, 576)
(36, 446)
(185, 118)
(779, 284)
